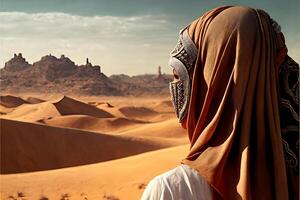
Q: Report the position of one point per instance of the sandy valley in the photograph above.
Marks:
(86, 147)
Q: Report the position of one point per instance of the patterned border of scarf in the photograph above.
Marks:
(289, 111)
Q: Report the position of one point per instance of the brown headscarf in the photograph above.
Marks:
(233, 118)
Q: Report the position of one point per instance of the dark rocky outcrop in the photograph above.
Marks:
(62, 75)
(16, 63)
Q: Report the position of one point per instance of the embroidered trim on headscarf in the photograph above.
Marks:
(289, 111)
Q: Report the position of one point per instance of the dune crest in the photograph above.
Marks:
(84, 147)
(68, 106)
(33, 112)
(34, 100)
(10, 101)
(164, 106)
(136, 112)
(49, 109)
(124, 178)
(33, 147)
(85, 122)
(165, 129)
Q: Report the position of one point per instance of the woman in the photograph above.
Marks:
(236, 92)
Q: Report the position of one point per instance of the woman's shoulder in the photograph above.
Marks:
(181, 182)
(158, 187)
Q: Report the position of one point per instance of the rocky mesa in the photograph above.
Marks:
(61, 75)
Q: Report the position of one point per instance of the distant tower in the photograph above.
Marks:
(159, 71)
(88, 64)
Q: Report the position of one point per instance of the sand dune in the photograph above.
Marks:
(169, 129)
(164, 106)
(33, 112)
(5, 110)
(113, 133)
(34, 100)
(86, 122)
(113, 110)
(137, 112)
(50, 109)
(31, 147)
(68, 106)
(144, 113)
(106, 104)
(10, 101)
(118, 179)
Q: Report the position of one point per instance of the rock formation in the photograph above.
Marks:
(16, 63)
(88, 69)
(62, 75)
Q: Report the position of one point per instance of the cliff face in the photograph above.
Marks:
(62, 75)
(17, 63)
(54, 68)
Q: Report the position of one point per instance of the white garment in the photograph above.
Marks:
(180, 183)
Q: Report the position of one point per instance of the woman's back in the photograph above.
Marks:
(180, 183)
(226, 94)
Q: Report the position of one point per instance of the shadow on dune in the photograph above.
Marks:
(27, 147)
(10, 101)
(68, 106)
(37, 109)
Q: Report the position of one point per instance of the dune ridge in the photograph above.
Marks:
(33, 147)
(54, 108)
(134, 111)
(68, 106)
(33, 112)
(124, 178)
(86, 147)
(10, 101)
(34, 100)
(86, 122)
(165, 129)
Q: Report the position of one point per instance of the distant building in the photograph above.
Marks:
(159, 71)
(95, 68)
(88, 64)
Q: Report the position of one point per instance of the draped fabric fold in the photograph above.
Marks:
(233, 117)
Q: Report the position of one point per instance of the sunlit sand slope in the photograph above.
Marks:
(32, 147)
(119, 179)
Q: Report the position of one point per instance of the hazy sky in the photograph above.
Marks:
(122, 36)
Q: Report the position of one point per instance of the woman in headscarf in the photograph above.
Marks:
(236, 92)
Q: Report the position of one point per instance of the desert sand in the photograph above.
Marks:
(86, 147)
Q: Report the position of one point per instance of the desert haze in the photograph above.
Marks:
(64, 137)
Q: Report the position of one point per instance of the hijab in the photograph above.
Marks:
(233, 118)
